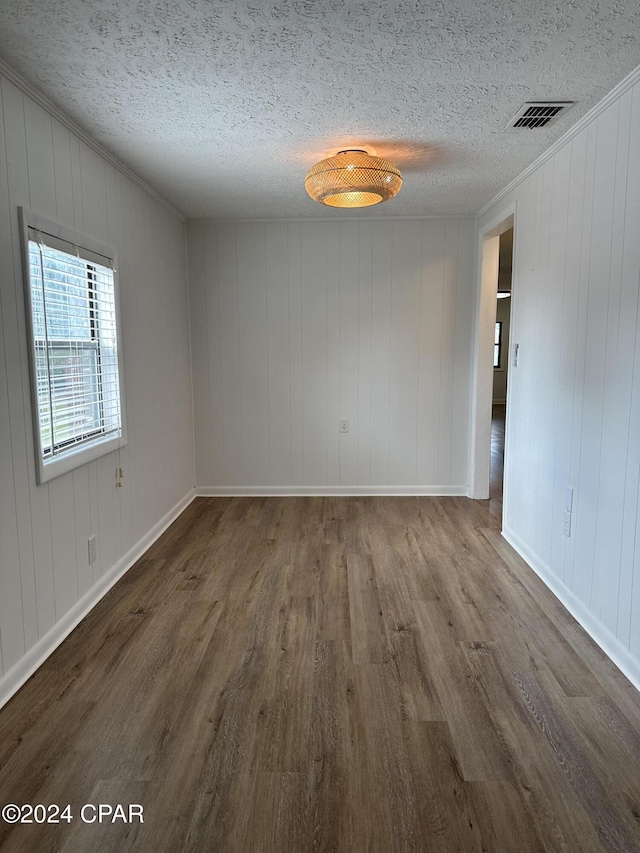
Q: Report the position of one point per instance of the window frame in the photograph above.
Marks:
(49, 468)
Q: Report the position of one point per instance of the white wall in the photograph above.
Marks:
(44, 570)
(298, 324)
(574, 401)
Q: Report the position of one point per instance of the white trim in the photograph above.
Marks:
(619, 90)
(354, 217)
(56, 113)
(79, 455)
(483, 343)
(608, 642)
(21, 671)
(329, 491)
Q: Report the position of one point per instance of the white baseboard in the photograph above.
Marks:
(328, 491)
(21, 671)
(608, 642)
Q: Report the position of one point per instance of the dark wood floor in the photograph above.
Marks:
(330, 674)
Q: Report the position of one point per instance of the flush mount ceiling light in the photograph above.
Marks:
(352, 178)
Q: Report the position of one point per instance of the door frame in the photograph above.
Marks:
(482, 383)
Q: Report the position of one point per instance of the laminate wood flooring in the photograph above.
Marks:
(328, 674)
(498, 417)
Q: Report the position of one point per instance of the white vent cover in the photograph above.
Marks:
(539, 113)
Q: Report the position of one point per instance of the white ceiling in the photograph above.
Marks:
(223, 105)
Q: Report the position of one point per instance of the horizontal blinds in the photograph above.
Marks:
(75, 343)
(41, 237)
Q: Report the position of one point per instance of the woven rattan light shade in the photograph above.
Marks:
(352, 179)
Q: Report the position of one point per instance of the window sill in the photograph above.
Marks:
(76, 458)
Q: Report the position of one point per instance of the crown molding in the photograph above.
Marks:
(19, 81)
(297, 220)
(626, 83)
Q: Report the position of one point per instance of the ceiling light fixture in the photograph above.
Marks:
(352, 178)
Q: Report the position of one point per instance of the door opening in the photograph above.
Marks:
(492, 356)
(500, 371)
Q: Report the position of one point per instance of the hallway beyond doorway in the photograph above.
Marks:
(497, 460)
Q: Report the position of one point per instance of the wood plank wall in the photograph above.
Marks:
(298, 324)
(44, 529)
(573, 414)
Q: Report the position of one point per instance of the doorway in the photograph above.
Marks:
(502, 330)
(489, 444)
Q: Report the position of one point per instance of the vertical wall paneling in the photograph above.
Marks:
(44, 528)
(130, 454)
(10, 580)
(349, 343)
(294, 267)
(153, 355)
(116, 235)
(595, 352)
(365, 344)
(562, 331)
(279, 347)
(231, 448)
(404, 339)
(432, 289)
(333, 271)
(582, 215)
(629, 343)
(315, 354)
(574, 401)
(462, 354)
(254, 360)
(212, 393)
(32, 502)
(528, 496)
(382, 254)
(631, 535)
(614, 435)
(304, 323)
(447, 350)
(144, 356)
(63, 174)
(547, 351)
(201, 357)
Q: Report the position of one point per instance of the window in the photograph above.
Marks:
(497, 344)
(75, 357)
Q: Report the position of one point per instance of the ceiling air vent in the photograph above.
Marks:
(539, 113)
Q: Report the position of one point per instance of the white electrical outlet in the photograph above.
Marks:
(566, 527)
(91, 543)
(344, 424)
(515, 355)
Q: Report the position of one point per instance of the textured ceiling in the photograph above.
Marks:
(223, 106)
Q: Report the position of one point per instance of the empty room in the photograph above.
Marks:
(320, 426)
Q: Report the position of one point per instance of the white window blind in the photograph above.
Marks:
(75, 359)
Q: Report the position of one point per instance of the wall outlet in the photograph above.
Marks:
(91, 545)
(344, 424)
(566, 526)
(515, 355)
